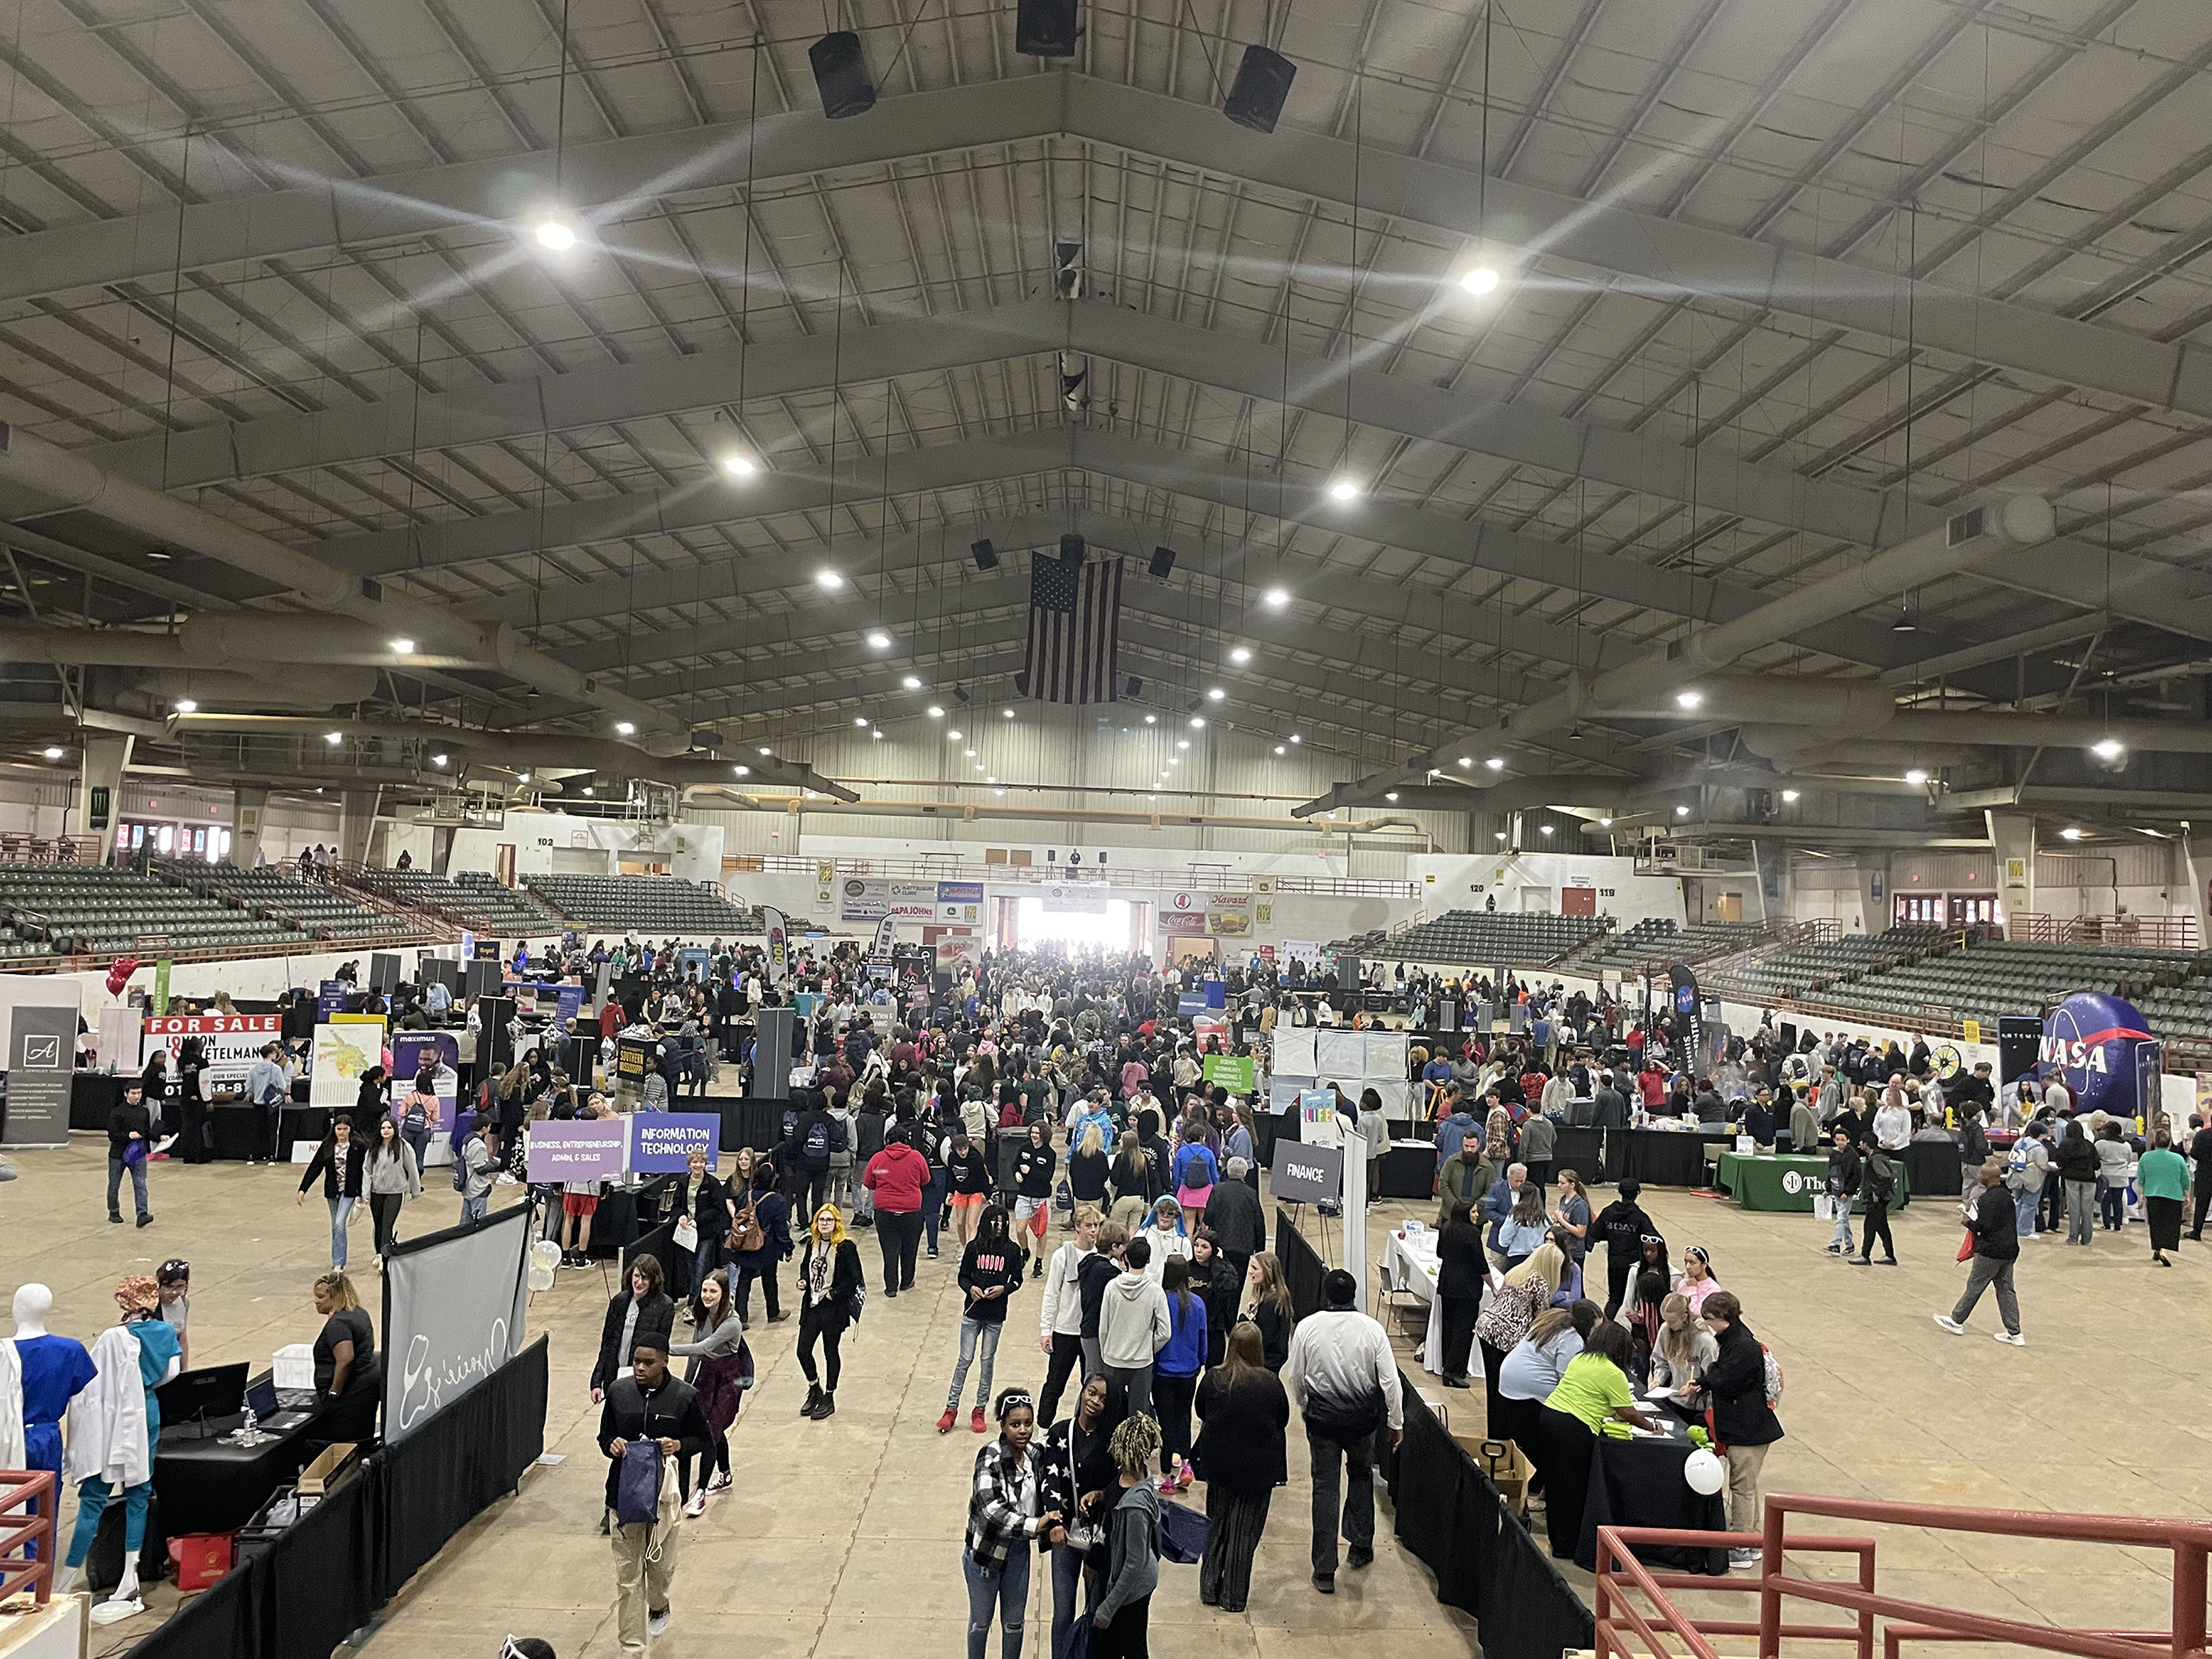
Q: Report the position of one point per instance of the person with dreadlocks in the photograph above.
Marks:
(1133, 1551)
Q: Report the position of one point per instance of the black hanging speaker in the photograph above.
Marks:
(987, 557)
(1263, 82)
(841, 75)
(1071, 549)
(1045, 28)
(1163, 561)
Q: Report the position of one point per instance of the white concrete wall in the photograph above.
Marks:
(1532, 881)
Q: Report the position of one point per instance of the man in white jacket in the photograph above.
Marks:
(1133, 1325)
(1344, 1378)
(1060, 1320)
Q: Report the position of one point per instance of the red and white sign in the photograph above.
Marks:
(232, 1042)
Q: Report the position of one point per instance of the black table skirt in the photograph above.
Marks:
(1639, 1482)
(1584, 1152)
(293, 1123)
(1407, 1172)
(237, 1130)
(745, 1122)
(1932, 1169)
(93, 1097)
(1661, 1158)
(206, 1486)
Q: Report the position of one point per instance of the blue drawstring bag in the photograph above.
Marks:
(637, 1485)
(1179, 1537)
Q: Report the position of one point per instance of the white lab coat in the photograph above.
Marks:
(11, 1407)
(107, 1420)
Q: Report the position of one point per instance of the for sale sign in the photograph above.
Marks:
(232, 1042)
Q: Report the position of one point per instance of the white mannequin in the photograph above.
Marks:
(33, 1303)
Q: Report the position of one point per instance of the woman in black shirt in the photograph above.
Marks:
(191, 1061)
(338, 1161)
(347, 1371)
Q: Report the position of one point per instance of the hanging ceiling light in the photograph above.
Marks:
(1344, 490)
(1916, 777)
(555, 234)
(829, 578)
(1481, 279)
(1275, 597)
(2108, 749)
(880, 642)
(1242, 653)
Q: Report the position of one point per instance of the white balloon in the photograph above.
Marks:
(1705, 1473)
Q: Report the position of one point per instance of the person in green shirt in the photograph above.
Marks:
(1592, 1398)
(2162, 1178)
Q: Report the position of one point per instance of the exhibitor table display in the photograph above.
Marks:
(1788, 1180)
(203, 1482)
(1408, 1171)
(1411, 1262)
(1640, 1482)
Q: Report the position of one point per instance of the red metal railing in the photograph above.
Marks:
(2156, 932)
(1621, 1578)
(20, 1530)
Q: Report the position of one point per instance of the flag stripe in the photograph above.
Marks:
(1074, 653)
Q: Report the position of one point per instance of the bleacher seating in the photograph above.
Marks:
(644, 904)
(1657, 941)
(475, 900)
(90, 910)
(324, 911)
(1481, 939)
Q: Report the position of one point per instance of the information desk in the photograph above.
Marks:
(1639, 1482)
(1766, 1181)
(205, 1486)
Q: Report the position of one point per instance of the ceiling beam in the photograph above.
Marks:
(609, 181)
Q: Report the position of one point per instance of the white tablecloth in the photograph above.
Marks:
(1414, 1267)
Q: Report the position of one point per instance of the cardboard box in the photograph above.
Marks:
(1506, 1465)
(332, 1467)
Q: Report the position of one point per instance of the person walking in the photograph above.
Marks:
(1075, 1478)
(1119, 1624)
(1242, 1457)
(1842, 1188)
(478, 1157)
(2077, 1176)
(1060, 1319)
(831, 1283)
(759, 1242)
(642, 1309)
(899, 1178)
(972, 1180)
(990, 1272)
(1234, 1216)
(1004, 1516)
(645, 1406)
(129, 1141)
(1133, 1325)
(1345, 1379)
(721, 1371)
(2162, 1178)
(419, 1112)
(1877, 1186)
(1175, 1373)
(1995, 1224)
(1034, 1165)
(1741, 1413)
(391, 1178)
(338, 1161)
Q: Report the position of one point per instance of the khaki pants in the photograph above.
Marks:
(1743, 1505)
(642, 1584)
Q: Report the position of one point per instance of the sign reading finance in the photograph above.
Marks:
(1307, 1175)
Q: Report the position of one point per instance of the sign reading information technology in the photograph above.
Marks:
(660, 1142)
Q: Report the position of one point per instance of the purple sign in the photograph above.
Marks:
(413, 1050)
(663, 1141)
(590, 1150)
(331, 998)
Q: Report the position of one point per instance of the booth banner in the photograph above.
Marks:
(41, 1058)
(886, 931)
(331, 998)
(693, 962)
(1232, 1072)
(633, 1058)
(662, 1143)
(958, 953)
(452, 1314)
(232, 1042)
(346, 1046)
(779, 943)
(1084, 898)
(413, 1050)
(1307, 1173)
(1299, 950)
(960, 901)
(872, 898)
(2102, 1048)
(584, 1149)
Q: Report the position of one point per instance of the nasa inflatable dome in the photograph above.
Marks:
(2096, 1044)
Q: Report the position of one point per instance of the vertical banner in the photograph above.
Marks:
(40, 1061)
(1683, 998)
(885, 930)
(779, 944)
(411, 1051)
(162, 986)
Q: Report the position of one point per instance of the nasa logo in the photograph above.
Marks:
(2099, 1045)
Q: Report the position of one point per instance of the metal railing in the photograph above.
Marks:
(1198, 877)
(23, 1533)
(1621, 1578)
(2155, 932)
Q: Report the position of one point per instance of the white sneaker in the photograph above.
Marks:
(112, 1612)
(2013, 1337)
(1950, 1324)
(697, 1506)
(508, 1180)
(1744, 1560)
(657, 1624)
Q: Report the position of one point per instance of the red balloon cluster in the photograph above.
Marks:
(119, 974)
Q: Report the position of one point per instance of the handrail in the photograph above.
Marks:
(1615, 1562)
(19, 1490)
(1207, 877)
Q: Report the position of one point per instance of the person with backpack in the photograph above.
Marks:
(647, 1408)
(841, 1143)
(1344, 1379)
(970, 1176)
(1877, 1186)
(1175, 1372)
(831, 1287)
(809, 1152)
(1741, 1393)
(2027, 1167)
(476, 1168)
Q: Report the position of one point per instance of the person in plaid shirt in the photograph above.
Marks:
(1003, 1527)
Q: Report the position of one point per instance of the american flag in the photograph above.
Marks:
(1075, 630)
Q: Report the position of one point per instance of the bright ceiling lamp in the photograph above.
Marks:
(828, 579)
(739, 466)
(859, 719)
(1215, 694)
(1242, 653)
(1500, 834)
(54, 752)
(1389, 795)
(625, 728)
(879, 641)
(1275, 597)
(589, 790)
(1789, 797)
(437, 760)
(765, 749)
(1182, 743)
(1543, 828)
(2069, 833)
(402, 648)
(1295, 737)
(970, 753)
(1152, 720)
(743, 771)
(937, 711)
(1496, 763)
(186, 706)
(2108, 749)
(1481, 279)
(953, 736)
(555, 234)
(1280, 750)
(1466, 761)
(1344, 490)
(1688, 699)
(522, 777)
(1197, 723)
(333, 736)
(912, 682)
(1175, 760)
(1916, 777)
(877, 733)
(1605, 823)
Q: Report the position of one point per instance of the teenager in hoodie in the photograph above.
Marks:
(844, 1137)
(1133, 1325)
(1092, 1275)
(1060, 1320)
(990, 1272)
(1175, 1369)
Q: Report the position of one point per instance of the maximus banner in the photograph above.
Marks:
(452, 1314)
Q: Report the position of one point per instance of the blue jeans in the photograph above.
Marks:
(1067, 1584)
(418, 1142)
(974, 1332)
(91, 1501)
(116, 1166)
(472, 1209)
(341, 1211)
(1008, 1588)
(2025, 1203)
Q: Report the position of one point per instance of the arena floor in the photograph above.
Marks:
(843, 1538)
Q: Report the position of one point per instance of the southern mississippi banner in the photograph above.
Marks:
(452, 1314)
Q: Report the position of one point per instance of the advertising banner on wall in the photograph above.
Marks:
(41, 1055)
(232, 1042)
(960, 901)
(872, 898)
(1180, 924)
(1084, 898)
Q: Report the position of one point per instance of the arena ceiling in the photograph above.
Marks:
(1780, 283)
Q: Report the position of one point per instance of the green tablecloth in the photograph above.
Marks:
(1767, 1180)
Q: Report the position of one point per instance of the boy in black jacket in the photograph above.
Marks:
(990, 1272)
(1622, 1225)
(1099, 1269)
(1843, 1188)
(649, 1404)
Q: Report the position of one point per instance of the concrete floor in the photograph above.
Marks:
(843, 1538)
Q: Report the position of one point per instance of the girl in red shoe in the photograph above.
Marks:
(990, 1272)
